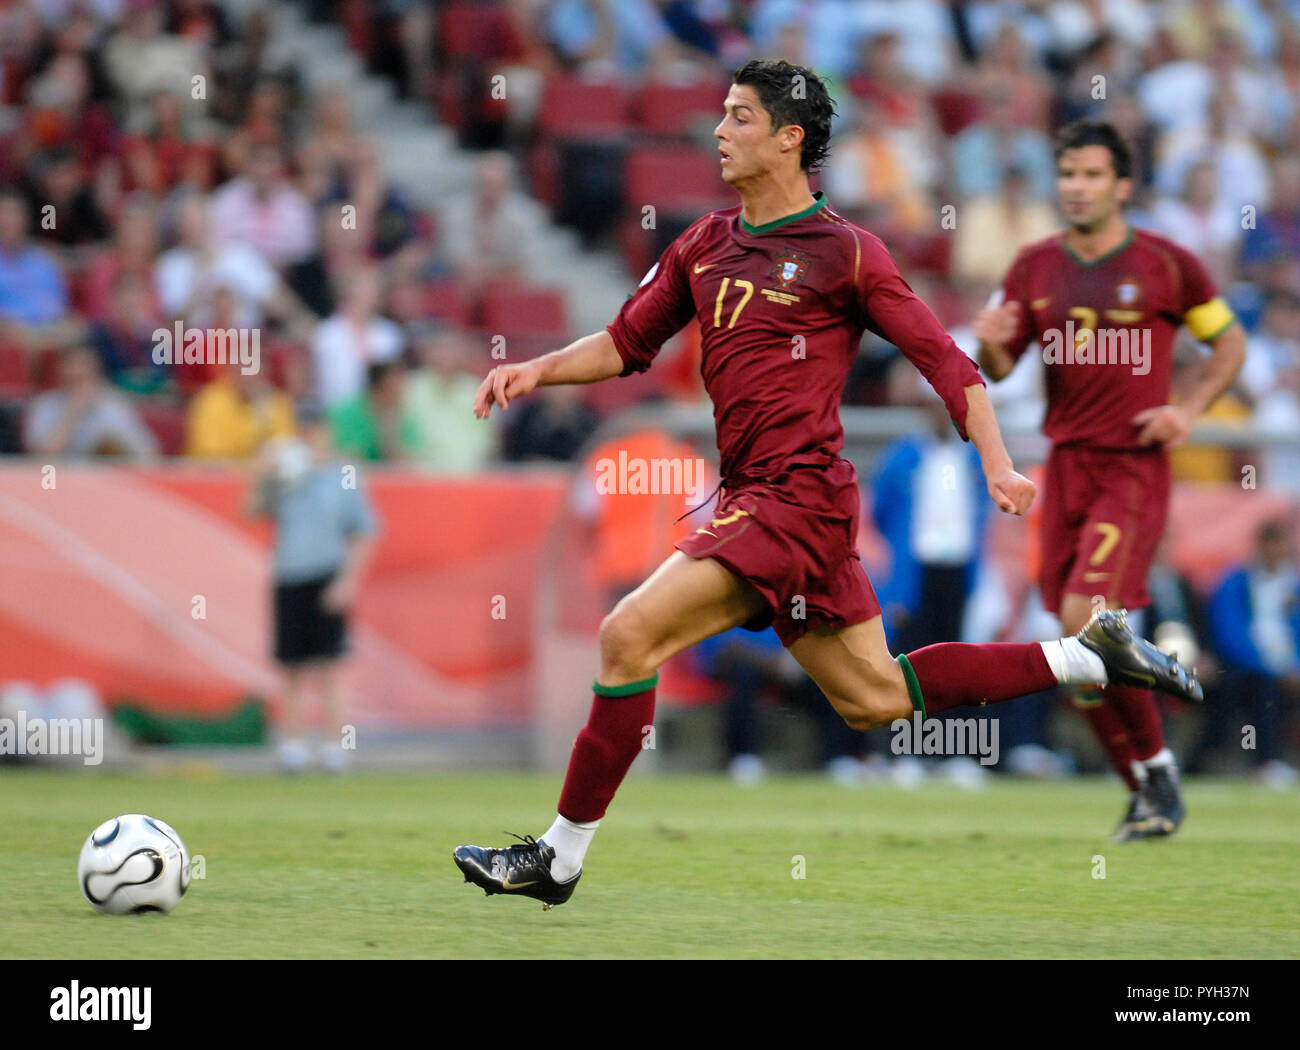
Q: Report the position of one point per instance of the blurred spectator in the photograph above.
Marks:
(490, 233)
(141, 59)
(1242, 174)
(983, 151)
(189, 274)
(235, 414)
(124, 338)
(608, 37)
(553, 423)
(752, 665)
(171, 152)
(1255, 623)
(262, 209)
(1199, 221)
(324, 539)
(85, 416)
(33, 293)
(867, 173)
(62, 205)
(132, 251)
(439, 398)
(352, 338)
(929, 502)
(992, 230)
(372, 425)
(1010, 72)
(339, 251)
(1277, 230)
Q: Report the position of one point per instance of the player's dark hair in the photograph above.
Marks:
(1097, 133)
(793, 95)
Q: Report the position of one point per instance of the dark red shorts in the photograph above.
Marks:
(794, 537)
(1103, 515)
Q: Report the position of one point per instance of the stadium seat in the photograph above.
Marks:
(525, 311)
(15, 372)
(673, 178)
(448, 302)
(167, 422)
(673, 109)
(576, 108)
(478, 29)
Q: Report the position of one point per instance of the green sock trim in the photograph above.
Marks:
(626, 690)
(913, 686)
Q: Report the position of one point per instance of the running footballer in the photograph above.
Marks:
(779, 548)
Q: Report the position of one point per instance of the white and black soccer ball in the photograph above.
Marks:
(134, 863)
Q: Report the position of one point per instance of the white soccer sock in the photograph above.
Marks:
(1074, 663)
(1163, 757)
(570, 840)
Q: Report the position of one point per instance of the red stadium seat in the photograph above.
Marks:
(167, 423)
(15, 372)
(478, 29)
(673, 178)
(525, 311)
(576, 108)
(448, 302)
(672, 109)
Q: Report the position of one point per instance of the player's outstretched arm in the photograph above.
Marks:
(587, 360)
(1012, 492)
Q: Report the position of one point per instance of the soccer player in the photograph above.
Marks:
(783, 288)
(1105, 301)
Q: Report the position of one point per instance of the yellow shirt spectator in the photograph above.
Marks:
(233, 415)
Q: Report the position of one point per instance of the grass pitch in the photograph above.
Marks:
(689, 867)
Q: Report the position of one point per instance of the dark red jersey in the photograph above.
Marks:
(782, 308)
(1107, 329)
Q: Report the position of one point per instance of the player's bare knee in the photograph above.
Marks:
(625, 644)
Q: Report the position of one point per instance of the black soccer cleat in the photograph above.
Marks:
(1139, 810)
(1131, 660)
(522, 870)
(1165, 802)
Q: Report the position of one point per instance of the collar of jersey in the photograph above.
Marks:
(821, 201)
(1128, 239)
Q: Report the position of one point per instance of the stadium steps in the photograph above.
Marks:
(423, 159)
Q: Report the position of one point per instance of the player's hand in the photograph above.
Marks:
(996, 325)
(504, 383)
(1168, 425)
(1012, 492)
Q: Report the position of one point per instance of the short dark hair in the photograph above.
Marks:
(810, 107)
(1097, 133)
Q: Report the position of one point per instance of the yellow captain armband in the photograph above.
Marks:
(1209, 320)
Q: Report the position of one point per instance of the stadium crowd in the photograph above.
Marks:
(159, 168)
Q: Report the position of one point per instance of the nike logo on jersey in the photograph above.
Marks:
(706, 266)
(717, 523)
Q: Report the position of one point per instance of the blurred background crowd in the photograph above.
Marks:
(161, 162)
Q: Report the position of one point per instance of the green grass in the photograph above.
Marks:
(684, 867)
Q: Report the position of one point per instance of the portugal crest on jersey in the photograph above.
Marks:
(1128, 291)
(790, 267)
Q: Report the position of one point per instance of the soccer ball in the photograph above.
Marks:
(134, 863)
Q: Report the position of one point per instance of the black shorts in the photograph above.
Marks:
(304, 629)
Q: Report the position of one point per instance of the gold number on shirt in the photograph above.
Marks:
(717, 307)
(1084, 332)
(1110, 534)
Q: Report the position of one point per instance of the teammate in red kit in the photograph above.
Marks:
(783, 289)
(1105, 301)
